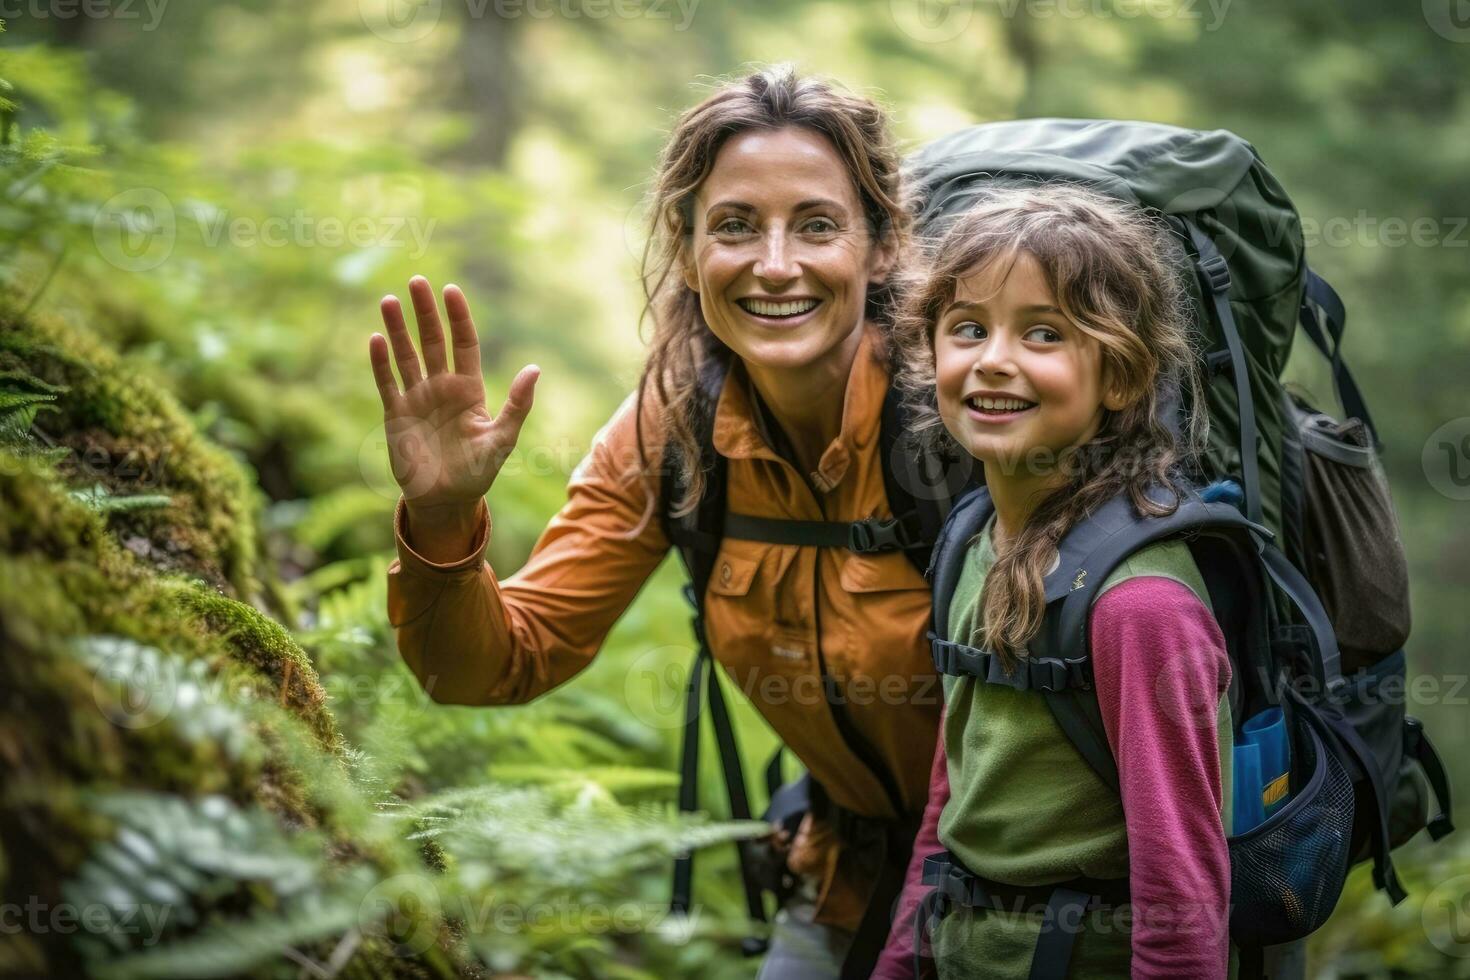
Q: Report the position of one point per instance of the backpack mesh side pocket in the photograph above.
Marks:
(1287, 873)
(1353, 552)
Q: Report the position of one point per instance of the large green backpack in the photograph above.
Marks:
(1314, 534)
(1237, 226)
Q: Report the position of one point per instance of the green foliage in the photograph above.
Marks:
(194, 502)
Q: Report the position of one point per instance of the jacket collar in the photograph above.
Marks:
(738, 432)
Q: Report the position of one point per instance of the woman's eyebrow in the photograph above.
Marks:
(820, 202)
(807, 205)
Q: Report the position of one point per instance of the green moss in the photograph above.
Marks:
(127, 433)
(93, 603)
(262, 645)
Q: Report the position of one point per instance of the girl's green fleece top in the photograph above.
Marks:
(1025, 808)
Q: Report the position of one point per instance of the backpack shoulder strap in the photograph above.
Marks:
(922, 486)
(965, 520)
(1076, 709)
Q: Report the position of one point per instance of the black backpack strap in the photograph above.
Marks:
(697, 536)
(1214, 277)
(1079, 715)
(1076, 710)
(1417, 746)
(1323, 308)
(921, 486)
(965, 520)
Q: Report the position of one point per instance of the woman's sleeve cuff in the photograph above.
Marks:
(410, 559)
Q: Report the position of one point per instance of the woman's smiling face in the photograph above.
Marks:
(780, 254)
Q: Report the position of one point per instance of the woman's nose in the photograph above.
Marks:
(776, 264)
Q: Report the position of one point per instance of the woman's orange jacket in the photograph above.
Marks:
(473, 640)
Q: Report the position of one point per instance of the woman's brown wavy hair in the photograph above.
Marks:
(1109, 265)
(682, 344)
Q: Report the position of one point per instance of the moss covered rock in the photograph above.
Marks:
(170, 761)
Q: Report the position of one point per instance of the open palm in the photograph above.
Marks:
(444, 445)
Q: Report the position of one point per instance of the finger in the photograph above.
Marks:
(403, 353)
(462, 330)
(518, 401)
(383, 373)
(431, 332)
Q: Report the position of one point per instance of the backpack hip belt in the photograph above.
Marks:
(1064, 903)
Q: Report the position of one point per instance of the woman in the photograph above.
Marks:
(776, 227)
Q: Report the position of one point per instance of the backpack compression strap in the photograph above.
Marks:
(1322, 306)
(1214, 277)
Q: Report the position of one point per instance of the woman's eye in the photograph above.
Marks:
(1045, 335)
(732, 226)
(820, 226)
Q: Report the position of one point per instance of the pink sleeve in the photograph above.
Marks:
(1157, 650)
(897, 960)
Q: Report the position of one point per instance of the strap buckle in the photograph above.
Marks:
(873, 536)
(1215, 273)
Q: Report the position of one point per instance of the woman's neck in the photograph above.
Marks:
(807, 401)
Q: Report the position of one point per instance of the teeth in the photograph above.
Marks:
(1001, 404)
(763, 308)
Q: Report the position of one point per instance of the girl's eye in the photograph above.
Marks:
(969, 330)
(1045, 335)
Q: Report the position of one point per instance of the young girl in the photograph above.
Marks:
(1047, 334)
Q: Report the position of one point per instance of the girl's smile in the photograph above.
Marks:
(1016, 378)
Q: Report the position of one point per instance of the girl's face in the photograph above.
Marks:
(780, 253)
(1017, 382)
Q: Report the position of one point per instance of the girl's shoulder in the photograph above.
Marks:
(1168, 559)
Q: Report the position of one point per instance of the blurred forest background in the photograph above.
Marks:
(208, 739)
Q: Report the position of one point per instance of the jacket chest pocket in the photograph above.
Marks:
(757, 601)
(883, 612)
